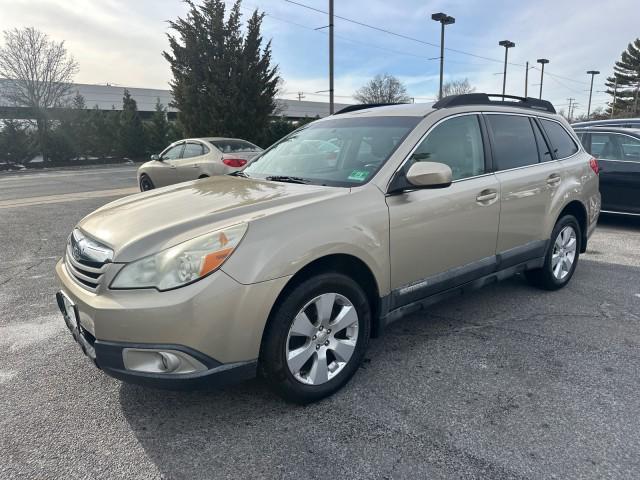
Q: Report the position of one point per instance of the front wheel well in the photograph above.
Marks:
(345, 264)
(578, 210)
(203, 176)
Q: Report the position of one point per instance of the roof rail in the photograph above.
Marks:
(485, 99)
(355, 108)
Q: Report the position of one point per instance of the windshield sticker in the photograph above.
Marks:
(358, 175)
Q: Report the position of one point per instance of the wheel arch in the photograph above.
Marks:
(579, 211)
(346, 264)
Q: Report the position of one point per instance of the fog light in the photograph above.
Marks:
(151, 360)
(170, 362)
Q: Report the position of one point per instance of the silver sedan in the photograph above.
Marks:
(194, 158)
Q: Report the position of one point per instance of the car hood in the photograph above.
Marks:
(146, 223)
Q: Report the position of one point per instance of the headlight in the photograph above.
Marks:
(185, 263)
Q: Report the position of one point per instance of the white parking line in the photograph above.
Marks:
(67, 197)
(56, 174)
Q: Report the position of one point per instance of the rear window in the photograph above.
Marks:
(514, 144)
(563, 144)
(235, 146)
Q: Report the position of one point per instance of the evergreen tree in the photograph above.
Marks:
(16, 144)
(131, 131)
(158, 129)
(627, 73)
(223, 82)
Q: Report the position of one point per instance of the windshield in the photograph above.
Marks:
(234, 146)
(337, 152)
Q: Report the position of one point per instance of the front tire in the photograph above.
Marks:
(145, 183)
(561, 258)
(316, 338)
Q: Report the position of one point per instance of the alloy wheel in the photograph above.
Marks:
(322, 339)
(564, 252)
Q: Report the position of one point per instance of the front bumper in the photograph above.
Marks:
(217, 321)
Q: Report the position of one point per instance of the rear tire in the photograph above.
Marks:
(145, 183)
(316, 338)
(561, 258)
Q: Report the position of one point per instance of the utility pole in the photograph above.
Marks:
(526, 79)
(543, 62)
(593, 73)
(615, 93)
(444, 19)
(507, 44)
(570, 105)
(330, 57)
(300, 95)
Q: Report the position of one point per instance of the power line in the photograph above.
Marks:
(400, 35)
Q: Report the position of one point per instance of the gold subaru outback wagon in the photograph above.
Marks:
(287, 268)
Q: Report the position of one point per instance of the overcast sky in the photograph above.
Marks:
(120, 42)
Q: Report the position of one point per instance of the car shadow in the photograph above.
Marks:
(247, 431)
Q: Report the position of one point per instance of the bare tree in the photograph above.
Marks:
(457, 87)
(382, 89)
(37, 73)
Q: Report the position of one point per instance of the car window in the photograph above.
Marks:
(543, 148)
(562, 143)
(172, 153)
(605, 146)
(514, 143)
(192, 149)
(330, 152)
(235, 146)
(456, 142)
(630, 148)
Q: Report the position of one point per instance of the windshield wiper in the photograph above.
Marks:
(287, 179)
(238, 173)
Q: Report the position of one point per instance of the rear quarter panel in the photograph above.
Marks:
(579, 183)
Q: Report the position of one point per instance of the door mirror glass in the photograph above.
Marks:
(155, 156)
(429, 175)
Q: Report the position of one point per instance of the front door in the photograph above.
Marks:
(440, 238)
(165, 171)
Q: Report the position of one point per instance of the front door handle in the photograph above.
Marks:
(553, 179)
(487, 196)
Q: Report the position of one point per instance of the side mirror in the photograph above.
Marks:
(429, 175)
(155, 157)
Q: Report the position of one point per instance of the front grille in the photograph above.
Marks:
(86, 260)
(87, 276)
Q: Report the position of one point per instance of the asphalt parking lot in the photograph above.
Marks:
(507, 382)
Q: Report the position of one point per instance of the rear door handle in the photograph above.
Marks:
(554, 179)
(486, 196)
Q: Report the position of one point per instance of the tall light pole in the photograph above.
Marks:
(444, 19)
(543, 62)
(593, 73)
(507, 44)
(330, 57)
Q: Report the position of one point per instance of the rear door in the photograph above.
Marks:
(190, 163)
(529, 176)
(619, 157)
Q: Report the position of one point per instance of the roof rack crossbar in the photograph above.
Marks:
(485, 99)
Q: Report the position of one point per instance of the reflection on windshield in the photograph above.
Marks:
(338, 152)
